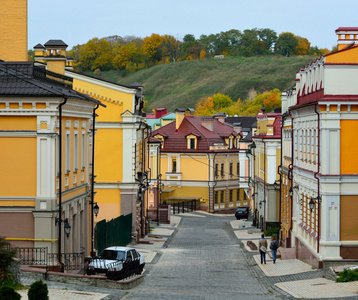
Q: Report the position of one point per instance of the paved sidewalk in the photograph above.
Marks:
(313, 288)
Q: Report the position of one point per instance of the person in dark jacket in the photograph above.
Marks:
(263, 247)
(274, 246)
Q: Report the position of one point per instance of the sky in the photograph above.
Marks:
(77, 21)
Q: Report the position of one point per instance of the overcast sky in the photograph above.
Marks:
(77, 21)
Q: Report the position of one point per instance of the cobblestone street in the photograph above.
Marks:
(203, 260)
(202, 256)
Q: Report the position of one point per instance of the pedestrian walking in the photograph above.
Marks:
(263, 247)
(274, 246)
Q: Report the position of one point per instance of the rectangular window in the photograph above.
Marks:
(75, 152)
(237, 195)
(68, 152)
(222, 196)
(216, 197)
(216, 170)
(83, 150)
(191, 143)
(231, 169)
(222, 169)
(230, 195)
(174, 166)
(238, 169)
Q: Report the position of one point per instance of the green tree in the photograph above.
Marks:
(191, 47)
(286, 44)
(8, 293)
(38, 291)
(269, 38)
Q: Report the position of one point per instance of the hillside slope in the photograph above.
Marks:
(183, 83)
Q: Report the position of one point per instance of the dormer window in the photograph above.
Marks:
(191, 142)
(230, 143)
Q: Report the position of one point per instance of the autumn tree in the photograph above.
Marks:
(303, 46)
(171, 47)
(127, 55)
(152, 49)
(286, 44)
(205, 107)
(95, 54)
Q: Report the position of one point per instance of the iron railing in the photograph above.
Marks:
(39, 256)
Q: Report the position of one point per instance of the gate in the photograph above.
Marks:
(117, 232)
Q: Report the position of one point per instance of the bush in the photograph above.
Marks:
(348, 275)
(8, 293)
(7, 253)
(38, 291)
(271, 231)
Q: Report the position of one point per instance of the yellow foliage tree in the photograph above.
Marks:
(303, 46)
(202, 54)
(152, 48)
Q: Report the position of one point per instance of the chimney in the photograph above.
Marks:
(39, 53)
(179, 117)
(346, 36)
(56, 56)
(208, 123)
(159, 112)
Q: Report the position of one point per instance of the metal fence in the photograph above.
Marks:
(39, 257)
(182, 207)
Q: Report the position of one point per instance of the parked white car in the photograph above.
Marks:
(117, 263)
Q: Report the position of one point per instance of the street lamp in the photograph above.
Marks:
(276, 184)
(311, 204)
(290, 192)
(67, 228)
(260, 203)
(96, 209)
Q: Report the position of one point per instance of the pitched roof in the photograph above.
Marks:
(23, 79)
(175, 139)
(245, 122)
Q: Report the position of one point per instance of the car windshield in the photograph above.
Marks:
(112, 254)
(241, 209)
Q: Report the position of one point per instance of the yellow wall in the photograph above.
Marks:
(109, 204)
(19, 157)
(193, 169)
(349, 144)
(18, 123)
(117, 102)
(13, 30)
(348, 218)
(108, 165)
(349, 56)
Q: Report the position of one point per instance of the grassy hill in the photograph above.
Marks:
(183, 83)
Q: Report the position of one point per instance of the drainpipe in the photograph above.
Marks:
(291, 171)
(60, 182)
(92, 179)
(317, 178)
(264, 227)
(215, 183)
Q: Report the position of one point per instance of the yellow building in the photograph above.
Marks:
(267, 159)
(45, 157)
(121, 129)
(323, 110)
(200, 162)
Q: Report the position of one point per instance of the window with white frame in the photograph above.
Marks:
(83, 151)
(68, 152)
(75, 152)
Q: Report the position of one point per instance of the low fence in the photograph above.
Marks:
(59, 262)
(182, 207)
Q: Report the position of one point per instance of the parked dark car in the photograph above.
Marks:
(242, 212)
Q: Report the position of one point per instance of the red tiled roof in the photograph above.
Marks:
(176, 139)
